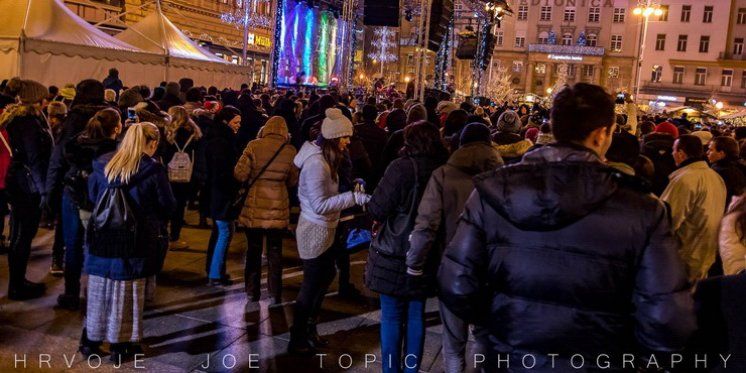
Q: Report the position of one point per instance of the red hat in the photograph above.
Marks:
(669, 128)
(532, 133)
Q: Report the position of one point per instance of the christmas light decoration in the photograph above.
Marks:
(243, 15)
(384, 45)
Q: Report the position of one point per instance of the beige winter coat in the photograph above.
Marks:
(732, 247)
(268, 203)
(696, 195)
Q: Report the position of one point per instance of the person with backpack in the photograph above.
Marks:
(31, 142)
(320, 207)
(267, 171)
(182, 140)
(394, 206)
(126, 241)
(221, 155)
(98, 138)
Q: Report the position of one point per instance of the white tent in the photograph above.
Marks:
(45, 41)
(157, 34)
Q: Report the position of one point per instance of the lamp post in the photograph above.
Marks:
(644, 9)
(241, 17)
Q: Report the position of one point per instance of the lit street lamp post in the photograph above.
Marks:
(644, 9)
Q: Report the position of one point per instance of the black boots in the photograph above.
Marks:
(88, 347)
(306, 342)
(24, 290)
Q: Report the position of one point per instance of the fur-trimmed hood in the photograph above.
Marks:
(17, 110)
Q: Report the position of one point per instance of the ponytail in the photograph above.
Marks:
(103, 124)
(126, 160)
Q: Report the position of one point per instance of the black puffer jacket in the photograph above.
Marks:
(32, 143)
(221, 156)
(79, 154)
(562, 254)
(733, 176)
(659, 148)
(388, 274)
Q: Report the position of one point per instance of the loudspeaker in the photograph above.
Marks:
(381, 13)
(467, 47)
(441, 13)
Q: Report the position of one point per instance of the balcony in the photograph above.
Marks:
(690, 90)
(566, 49)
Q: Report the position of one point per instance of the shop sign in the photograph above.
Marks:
(564, 57)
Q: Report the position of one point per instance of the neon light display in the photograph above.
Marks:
(309, 46)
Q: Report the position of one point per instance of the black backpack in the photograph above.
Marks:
(114, 225)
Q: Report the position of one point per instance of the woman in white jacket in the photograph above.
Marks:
(320, 204)
(732, 232)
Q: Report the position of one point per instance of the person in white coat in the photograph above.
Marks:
(696, 195)
(320, 207)
(732, 237)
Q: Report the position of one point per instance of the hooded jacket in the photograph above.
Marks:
(31, 141)
(320, 201)
(221, 155)
(562, 254)
(267, 205)
(696, 195)
(79, 154)
(153, 201)
(444, 199)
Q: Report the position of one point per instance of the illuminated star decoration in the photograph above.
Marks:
(241, 15)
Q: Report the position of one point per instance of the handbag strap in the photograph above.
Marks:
(7, 146)
(261, 172)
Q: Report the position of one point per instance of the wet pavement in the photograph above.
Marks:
(195, 328)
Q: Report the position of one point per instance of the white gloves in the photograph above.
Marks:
(361, 198)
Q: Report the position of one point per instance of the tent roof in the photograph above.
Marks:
(156, 33)
(52, 21)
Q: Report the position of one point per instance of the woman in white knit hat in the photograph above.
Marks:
(321, 204)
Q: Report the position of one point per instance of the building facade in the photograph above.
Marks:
(198, 19)
(593, 41)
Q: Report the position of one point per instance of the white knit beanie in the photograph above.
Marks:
(335, 125)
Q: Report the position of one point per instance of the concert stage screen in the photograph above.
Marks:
(311, 46)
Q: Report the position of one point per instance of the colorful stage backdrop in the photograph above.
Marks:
(310, 46)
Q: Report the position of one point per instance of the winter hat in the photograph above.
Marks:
(68, 92)
(475, 132)
(669, 128)
(704, 136)
(446, 107)
(532, 133)
(32, 92)
(130, 98)
(509, 122)
(335, 125)
(56, 108)
(110, 95)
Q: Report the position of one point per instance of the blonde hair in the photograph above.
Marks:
(180, 118)
(126, 160)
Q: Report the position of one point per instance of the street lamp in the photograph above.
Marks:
(719, 105)
(644, 9)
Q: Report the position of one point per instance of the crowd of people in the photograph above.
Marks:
(563, 230)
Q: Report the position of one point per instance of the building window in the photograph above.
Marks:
(520, 41)
(594, 15)
(657, 72)
(571, 70)
(727, 79)
(681, 46)
(546, 13)
(707, 17)
(704, 44)
(741, 16)
(588, 71)
(522, 12)
(678, 75)
(543, 37)
(592, 40)
(686, 13)
(614, 72)
(541, 68)
(738, 46)
(701, 76)
(743, 79)
(499, 36)
(660, 42)
(619, 15)
(664, 16)
(517, 66)
(567, 39)
(616, 43)
(570, 14)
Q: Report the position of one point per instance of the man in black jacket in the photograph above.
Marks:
(561, 255)
(722, 154)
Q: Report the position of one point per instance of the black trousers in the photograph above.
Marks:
(342, 255)
(24, 223)
(318, 274)
(182, 192)
(253, 270)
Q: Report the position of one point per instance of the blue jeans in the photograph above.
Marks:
(398, 314)
(72, 232)
(222, 242)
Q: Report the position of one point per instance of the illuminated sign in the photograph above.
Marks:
(259, 40)
(564, 57)
(668, 98)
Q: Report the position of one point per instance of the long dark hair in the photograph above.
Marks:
(332, 155)
(102, 125)
(739, 208)
(422, 139)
